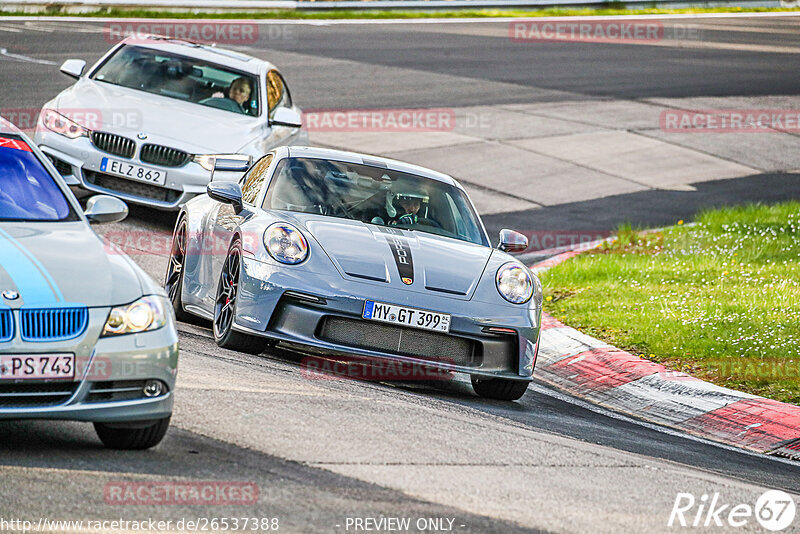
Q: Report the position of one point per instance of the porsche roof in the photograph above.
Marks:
(354, 157)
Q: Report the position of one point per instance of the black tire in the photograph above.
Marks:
(225, 307)
(173, 281)
(499, 388)
(118, 436)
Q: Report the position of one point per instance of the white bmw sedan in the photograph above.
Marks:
(148, 120)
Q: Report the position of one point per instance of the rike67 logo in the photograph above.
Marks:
(774, 510)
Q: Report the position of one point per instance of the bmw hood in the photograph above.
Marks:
(415, 261)
(184, 125)
(51, 264)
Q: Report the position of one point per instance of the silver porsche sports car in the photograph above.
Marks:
(362, 256)
(85, 334)
(147, 119)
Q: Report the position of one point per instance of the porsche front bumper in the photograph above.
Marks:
(323, 314)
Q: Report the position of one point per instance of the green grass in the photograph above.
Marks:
(59, 10)
(719, 300)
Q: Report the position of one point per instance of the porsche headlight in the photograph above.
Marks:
(62, 125)
(207, 160)
(147, 313)
(286, 243)
(514, 282)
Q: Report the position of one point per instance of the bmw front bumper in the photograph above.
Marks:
(79, 162)
(110, 374)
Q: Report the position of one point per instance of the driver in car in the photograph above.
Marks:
(239, 91)
(410, 203)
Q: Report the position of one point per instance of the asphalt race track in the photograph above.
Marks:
(323, 451)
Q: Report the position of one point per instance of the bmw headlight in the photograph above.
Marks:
(147, 313)
(62, 125)
(515, 283)
(286, 243)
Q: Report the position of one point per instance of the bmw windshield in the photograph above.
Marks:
(27, 191)
(180, 77)
(373, 195)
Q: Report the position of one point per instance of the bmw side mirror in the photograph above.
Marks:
(287, 117)
(73, 68)
(511, 241)
(105, 209)
(227, 193)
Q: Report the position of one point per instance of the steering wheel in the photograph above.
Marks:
(429, 222)
(222, 103)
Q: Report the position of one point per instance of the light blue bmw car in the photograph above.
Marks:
(350, 254)
(85, 334)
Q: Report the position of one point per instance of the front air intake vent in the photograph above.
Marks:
(26, 395)
(6, 326)
(53, 324)
(164, 156)
(114, 144)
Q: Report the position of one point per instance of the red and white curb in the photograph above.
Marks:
(595, 371)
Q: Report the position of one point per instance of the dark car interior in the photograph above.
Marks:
(176, 77)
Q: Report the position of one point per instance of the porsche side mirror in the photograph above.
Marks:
(73, 68)
(287, 117)
(105, 209)
(231, 163)
(511, 241)
(227, 193)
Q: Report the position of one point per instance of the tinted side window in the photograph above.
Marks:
(27, 191)
(277, 92)
(255, 179)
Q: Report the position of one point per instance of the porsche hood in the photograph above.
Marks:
(416, 261)
(56, 264)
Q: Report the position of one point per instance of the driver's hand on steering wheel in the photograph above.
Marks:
(408, 219)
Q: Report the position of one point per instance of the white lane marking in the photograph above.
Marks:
(749, 29)
(18, 57)
(65, 26)
(11, 29)
(771, 49)
(325, 22)
(38, 27)
(538, 388)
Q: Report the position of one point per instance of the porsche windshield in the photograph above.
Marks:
(27, 191)
(373, 195)
(181, 77)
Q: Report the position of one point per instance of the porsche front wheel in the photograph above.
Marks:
(173, 281)
(225, 307)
